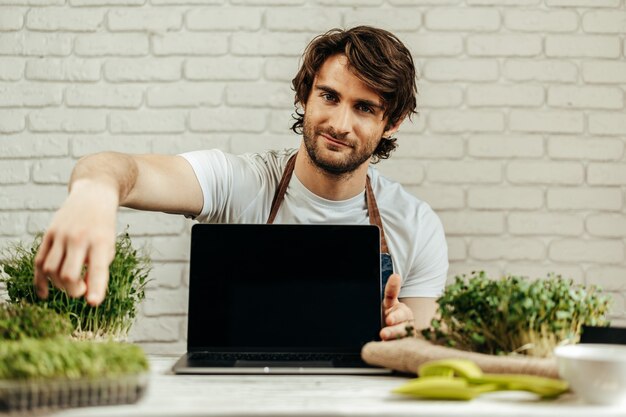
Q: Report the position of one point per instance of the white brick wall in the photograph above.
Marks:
(519, 144)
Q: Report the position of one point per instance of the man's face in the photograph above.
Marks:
(343, 119)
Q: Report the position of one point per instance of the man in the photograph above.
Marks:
(352, 92)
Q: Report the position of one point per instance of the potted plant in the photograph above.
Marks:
(61, 351)
(515, 314)
(41, 366)
(128, 275)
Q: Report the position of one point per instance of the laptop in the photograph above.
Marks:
(282, 299)
(603, 334)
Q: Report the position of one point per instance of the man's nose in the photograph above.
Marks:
(341, 120)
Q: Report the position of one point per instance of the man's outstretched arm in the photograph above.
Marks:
(82, 231)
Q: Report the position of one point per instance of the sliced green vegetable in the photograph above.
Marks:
(462, 379)
(544, 387)
(451, 367)
(443, 388)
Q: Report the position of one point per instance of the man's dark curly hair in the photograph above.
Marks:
(378, 58)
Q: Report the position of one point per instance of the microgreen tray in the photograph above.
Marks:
(36, 394)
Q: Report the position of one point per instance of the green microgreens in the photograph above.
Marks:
(65, 358)
(20, 321)
(128, 275)
(515, 314)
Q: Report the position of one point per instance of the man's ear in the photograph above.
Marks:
(393, 129)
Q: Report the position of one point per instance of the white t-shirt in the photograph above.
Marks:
(240, 189)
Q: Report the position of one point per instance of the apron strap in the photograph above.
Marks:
(372, 207)
(279, 195)
(374, 214)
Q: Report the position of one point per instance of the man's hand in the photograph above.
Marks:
(81, 233)
(397, 316)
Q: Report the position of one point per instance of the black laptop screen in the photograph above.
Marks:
(284, 287)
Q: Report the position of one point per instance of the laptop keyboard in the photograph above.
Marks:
(279, 357)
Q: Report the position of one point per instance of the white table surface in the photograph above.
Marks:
(325, 395)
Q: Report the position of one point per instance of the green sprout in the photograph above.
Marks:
(65, 358)
(515, 314)
(128, 275)
(410, 330)
(21, 321)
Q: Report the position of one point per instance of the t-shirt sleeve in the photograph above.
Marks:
(428, 275)
(218, 174)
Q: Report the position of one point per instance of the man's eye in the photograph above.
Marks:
(328, 97)
(365, 109)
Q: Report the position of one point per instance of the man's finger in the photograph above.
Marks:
(70, 272)
(53, 261)
(397, 332)
(392, 290)
(399, 314)
(41, 285)
(98, 273)
(40, 278)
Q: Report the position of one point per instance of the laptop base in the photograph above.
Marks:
(188, 366)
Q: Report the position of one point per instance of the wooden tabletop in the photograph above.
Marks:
(325, 395)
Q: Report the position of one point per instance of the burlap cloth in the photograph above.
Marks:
(406, 355)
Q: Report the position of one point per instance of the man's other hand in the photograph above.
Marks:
(81, 233)
(398, 317)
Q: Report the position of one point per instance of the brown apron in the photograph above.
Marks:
(372, 211)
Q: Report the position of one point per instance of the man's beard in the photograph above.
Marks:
(348, 164)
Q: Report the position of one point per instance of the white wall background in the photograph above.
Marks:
(519, 145)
